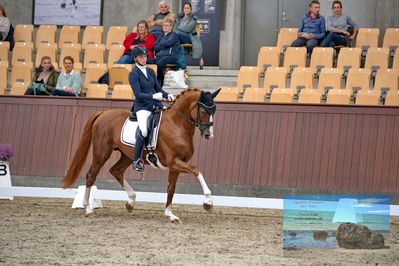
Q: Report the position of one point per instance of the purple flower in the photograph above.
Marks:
(6, 152)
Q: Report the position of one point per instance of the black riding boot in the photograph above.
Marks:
(138, 151)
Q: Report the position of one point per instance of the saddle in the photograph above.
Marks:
(152, 123)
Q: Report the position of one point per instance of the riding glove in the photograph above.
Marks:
(157, 96)
(171, 97)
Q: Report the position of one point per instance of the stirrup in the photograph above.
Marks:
(138, 166)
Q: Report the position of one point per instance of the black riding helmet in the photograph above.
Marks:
(139, 50)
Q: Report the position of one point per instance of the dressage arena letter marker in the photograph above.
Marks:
(5, 179)
(93, 202)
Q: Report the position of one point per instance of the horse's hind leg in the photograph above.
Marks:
(117, 171)
(98, 162)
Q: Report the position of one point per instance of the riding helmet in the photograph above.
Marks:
(139, 50)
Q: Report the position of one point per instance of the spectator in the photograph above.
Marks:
(155, 22)
(166, 49)
(45, 76)
(142, 37)
(147, 93)
(186, 29)
(4, 24)
(69, 82)
(338, 28)
(312, 28)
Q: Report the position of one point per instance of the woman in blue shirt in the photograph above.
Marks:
(148, 95)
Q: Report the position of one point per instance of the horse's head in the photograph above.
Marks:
(206, 110)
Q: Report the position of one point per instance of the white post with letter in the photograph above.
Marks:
(5, 179)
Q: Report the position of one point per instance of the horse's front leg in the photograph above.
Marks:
(172, 179)
(188, 168)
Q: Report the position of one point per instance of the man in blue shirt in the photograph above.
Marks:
(312, 29)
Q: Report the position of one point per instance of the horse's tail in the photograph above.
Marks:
(81, 153)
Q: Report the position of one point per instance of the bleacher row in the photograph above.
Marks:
(365, 74)
(92, 57)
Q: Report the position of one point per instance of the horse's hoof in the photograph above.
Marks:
(129, 207)
(207, 207)
(176, 221)
(90, 214)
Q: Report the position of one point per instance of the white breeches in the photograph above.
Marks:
(142, 117)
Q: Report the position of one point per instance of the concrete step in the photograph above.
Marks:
(211, 78)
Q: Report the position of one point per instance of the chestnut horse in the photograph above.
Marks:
(192, 108)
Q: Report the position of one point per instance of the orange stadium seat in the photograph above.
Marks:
(392, 98)
(286, 36)
(69, 34)
(302, 78)
(254, 95)
(330, 78)
(349, 58)
(367, 38)
(23, 33)
(122, 92)
(97, 91)
(3, 79)
(115, 52)
(22, 54)
(295, 57)
(92, 35)
(94, 54)
(358, 79)
(377, 58)
(5, 52)
(115, 35)
(311, 96)
(322, 57)
(339, 96)
(367, 97)
(268, 57)
(391, 39)
(45, 35)
(118, 75)
(282, 95)
(227, 94)
(248, 76)
(275, 77)
(19, 88)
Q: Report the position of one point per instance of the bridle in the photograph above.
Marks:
(196, 123)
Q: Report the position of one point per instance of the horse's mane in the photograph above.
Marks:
(183, 93)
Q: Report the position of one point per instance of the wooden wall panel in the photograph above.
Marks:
(350, 148)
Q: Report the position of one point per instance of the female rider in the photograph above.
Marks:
(148, 95)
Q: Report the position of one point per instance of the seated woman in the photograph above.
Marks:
(142, 37)
(46, 75)
(185, 28)
(338, 26)
(69, 82)
(166, 49)
(4, 24)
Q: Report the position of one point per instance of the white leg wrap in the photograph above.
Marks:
(207, 192)
(130, 193)
(168, 212)
(86, 203)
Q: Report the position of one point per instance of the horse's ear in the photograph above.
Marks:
(215, 93)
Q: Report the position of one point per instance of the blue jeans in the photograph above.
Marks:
(333, 39)
(184, 38)
(310, 44)
(125, 59)
(62, 93)
(161, 63)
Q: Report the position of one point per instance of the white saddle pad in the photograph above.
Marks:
(128, 134)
